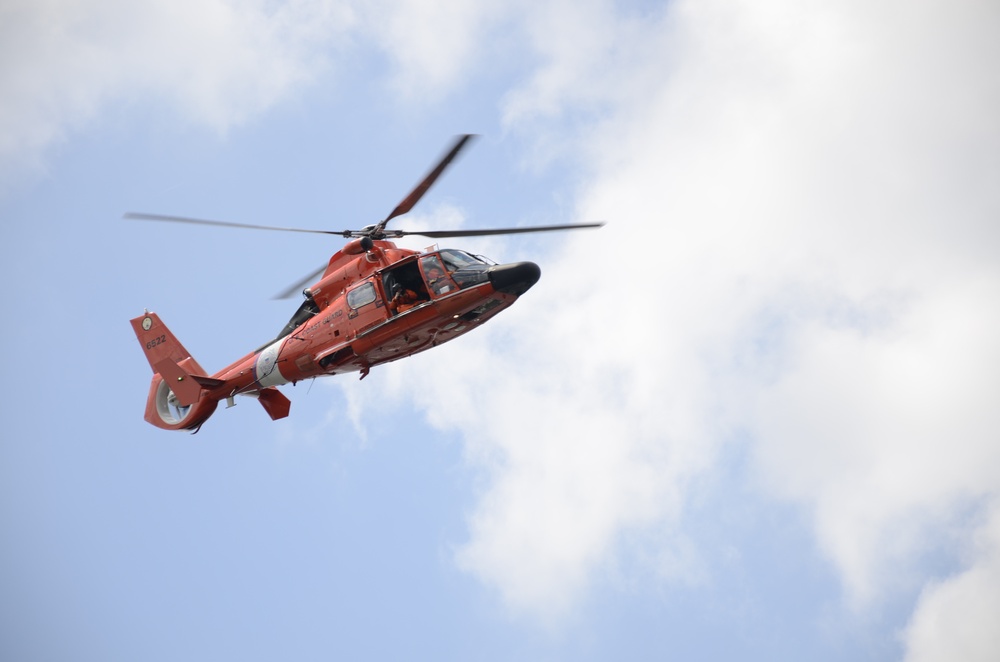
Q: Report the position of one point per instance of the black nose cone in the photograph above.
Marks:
(516, 278)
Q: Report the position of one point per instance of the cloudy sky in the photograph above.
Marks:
(754, 416)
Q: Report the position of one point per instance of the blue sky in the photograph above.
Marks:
(754, 416)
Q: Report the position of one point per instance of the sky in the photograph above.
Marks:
(753, 416)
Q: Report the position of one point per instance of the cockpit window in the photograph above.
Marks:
(437, 278)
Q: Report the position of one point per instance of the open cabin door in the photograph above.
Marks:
(404, 287)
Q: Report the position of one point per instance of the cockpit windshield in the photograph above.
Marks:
(464, 268)
(456, 260)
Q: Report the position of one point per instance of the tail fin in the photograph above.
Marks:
(159, 344)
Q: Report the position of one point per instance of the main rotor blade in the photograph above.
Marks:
(445, 234)
(298, 285)
(136, 216)
(414, 197)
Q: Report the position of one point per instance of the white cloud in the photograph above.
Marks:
(433, 46)
(216, 63)
(581, 49)
(956, 618)
(802, 247)
(887, 434)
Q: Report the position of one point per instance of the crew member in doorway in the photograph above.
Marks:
(403, 299)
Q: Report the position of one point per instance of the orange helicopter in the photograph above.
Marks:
(374, 303)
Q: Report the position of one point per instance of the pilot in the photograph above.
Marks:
(437, 280)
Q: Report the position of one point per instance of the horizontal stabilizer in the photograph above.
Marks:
(185, 388)
(208, 382)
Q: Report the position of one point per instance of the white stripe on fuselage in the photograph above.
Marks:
(266, 366)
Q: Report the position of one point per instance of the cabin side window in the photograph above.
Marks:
(361, 295)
